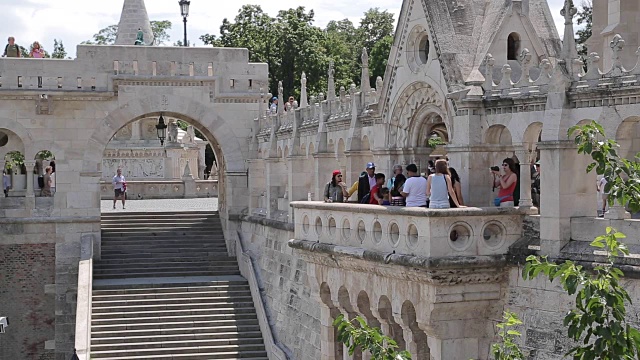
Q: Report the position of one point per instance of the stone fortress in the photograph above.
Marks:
(491, 78)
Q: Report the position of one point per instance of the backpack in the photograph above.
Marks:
(7, 48)
(366, 199)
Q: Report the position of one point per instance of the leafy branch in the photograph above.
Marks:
(508, 349)
(623, 175)
(368, 339)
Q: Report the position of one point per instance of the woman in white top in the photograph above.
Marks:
(439, 187)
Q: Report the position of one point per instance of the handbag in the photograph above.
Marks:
(497, 201)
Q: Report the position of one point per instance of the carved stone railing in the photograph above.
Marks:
(416, 231)
(102, 68)
(161, 189)
(83, 307)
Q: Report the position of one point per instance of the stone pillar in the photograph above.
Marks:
(328, 340)
(273, 171)
(324, 165)
(567, 191)
(297, 178)
(189, 182)
(30, 165)
(135, 131)
(257, 185)
(525, 179)
(617, 212)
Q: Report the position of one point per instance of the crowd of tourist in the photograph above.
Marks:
(438, 188)
(13, 50)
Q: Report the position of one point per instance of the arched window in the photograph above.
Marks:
(513, 46)
(424, 49)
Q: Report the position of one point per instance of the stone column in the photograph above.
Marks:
(273, 172)
(297, 178)
(135, 131)
(30, 165)
(525, 179)
(328, 340)
(567, 191)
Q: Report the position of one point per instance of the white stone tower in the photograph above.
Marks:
(134, 16)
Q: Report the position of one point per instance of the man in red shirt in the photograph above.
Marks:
(375, 197)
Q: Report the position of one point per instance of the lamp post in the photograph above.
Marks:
(162, 129)
(184, 10)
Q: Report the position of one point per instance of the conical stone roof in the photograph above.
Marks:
(134, 16)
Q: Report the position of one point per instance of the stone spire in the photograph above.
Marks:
(569, 50)
(134, 16)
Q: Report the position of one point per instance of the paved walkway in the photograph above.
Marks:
(161, 205)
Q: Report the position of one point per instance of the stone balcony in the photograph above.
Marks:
(424, 233)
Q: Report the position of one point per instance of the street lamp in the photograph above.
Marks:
(162, 129)
(184, 10)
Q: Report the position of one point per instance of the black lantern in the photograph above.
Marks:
(184, 10)
(162, 129)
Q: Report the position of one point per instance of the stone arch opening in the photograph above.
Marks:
(345, 304)
(498, 135)
(389, 325)
(513, 46)
(628, 137)
(325, 297)
(418, 345)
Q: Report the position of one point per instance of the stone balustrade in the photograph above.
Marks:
(101, 68)
(415, 231)
(162, 189)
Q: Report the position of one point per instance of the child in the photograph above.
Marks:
(385, 196)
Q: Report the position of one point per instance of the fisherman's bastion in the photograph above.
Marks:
(265, 275)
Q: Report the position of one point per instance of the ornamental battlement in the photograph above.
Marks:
(105, 68)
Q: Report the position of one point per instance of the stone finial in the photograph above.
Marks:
(261, 107)
(280, 98)
(488, 76)
(320, 97)
(616, 45)
(134, 18)
(343, 97)
(303, 91)
(365, 85)
(187, 172)
(313, 106)
(331, 85)
(545, 72)
(379, 85)
(352, 89)
(569, 50)
(593, 67)
(636, 69)
(506, 78)
(525, 60)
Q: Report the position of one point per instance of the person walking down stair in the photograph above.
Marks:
(119, 188)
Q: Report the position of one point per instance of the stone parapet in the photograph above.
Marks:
(161, 189)
(416, 231)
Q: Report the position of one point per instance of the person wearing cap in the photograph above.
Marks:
(367, 182)
(535, 187)
(274, 105)
(336, 189)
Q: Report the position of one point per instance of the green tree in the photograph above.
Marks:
(508, 349)
(368, 339)
(107, 36)
(375, 26)
(58, 50)
(379, 57)
(585, 16)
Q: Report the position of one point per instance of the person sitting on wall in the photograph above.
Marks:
(366, 183)
(335, 190)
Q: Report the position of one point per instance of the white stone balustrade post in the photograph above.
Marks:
(525, 179)
(328, 340)
(617, 212)
(30, 165)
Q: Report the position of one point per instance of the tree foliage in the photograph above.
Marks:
(368, 339)
(598, 323)
(107, 36)
(508, 349)
(290, 43)
(58, 50)
(585, 16)
(623, 175)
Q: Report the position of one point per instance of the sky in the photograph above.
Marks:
(74, 21)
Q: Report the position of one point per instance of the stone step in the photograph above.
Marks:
(161, 273)
(202, 259)
(185, 336)
(160, 224)
(119, 300)
(186, 329)
(154, 322)
(197, 354)
(158, 240)
(216, 352)
(148, 289)
(155, 264)
(180, 214)
(180, 233)
(173, 309)
(162, 248)
(108, 255)
(178, 303)
(167, 268)
(153, 343)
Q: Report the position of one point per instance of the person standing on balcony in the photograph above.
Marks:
(506, 183)
(336, 189)
(415, 188)
(439, 187)
(36, 51)
(457, 186)
(6, 183)
(366, 182)
(12, 49)
(397, 170)
(119, 188)
(375, 197)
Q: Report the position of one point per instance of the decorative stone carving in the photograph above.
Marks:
(134, 168)
(488, 76)
(411, 101)
(616, 45)
(331, 88)
(172, 137)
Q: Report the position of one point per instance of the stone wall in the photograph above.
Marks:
(542, 306)
(285, 287)
(28, 299)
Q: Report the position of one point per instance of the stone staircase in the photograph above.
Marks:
(166, 289)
